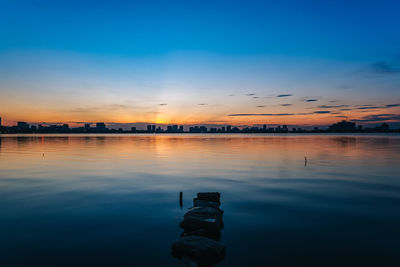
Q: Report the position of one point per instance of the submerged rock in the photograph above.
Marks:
(199, 247)
(202, 230)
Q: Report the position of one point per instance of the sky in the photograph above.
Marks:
(190, 62)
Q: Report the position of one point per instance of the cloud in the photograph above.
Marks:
(310, 100)
(260, 114)
(333, 106)
(286, 95)
(255, 97)
(202, 104)
(250, 94)
(371, 107)
(384, 68)
(346, 109)
(380, 118)
(163, 104)
(322, 112)
(260, 106)
(378, 107)
(285, 105)
(231, 95)
(392, 105)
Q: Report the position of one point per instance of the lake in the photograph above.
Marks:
(113, 200)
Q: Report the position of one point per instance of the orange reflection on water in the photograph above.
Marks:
(236, 156)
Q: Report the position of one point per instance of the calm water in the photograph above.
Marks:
(113, 200)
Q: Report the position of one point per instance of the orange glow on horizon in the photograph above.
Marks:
(188, 119)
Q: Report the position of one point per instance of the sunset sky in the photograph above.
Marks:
(200, 62)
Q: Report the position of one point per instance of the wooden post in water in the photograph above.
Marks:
(180, 199)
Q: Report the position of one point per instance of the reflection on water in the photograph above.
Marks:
(114, 199)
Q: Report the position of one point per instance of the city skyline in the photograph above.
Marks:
(343, 126)
(200, 63)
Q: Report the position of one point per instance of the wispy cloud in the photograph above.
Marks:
(384, 68)
(310, 100)
(261, 106)
(163, 104)
(260, 114)
(392, 105)
(371, 107)
(250, 94)
(284, 95)
(363, 107)
(333, 106)
(202, 104)
(380, 118)
(322, 112)
(285, 105)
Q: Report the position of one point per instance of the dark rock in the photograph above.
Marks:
(199, 247)
(207, 218)
(209, 196)
(202, 230)
(216, 235)
(204, 203)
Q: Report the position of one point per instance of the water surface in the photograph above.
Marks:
(112, 200)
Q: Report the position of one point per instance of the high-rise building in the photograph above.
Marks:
(100, 126)
(65, 128)
(22, 125)
(343, 126)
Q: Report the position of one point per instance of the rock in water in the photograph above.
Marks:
(208, 218)
(209, 196)
(199, 247)
(202, 226)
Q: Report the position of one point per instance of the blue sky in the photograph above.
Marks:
(117, 61)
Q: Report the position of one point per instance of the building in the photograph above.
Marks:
(0, 122)
(343, 126)
(22, 125)
(87, 126)
(101, 127)
(65, 128)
